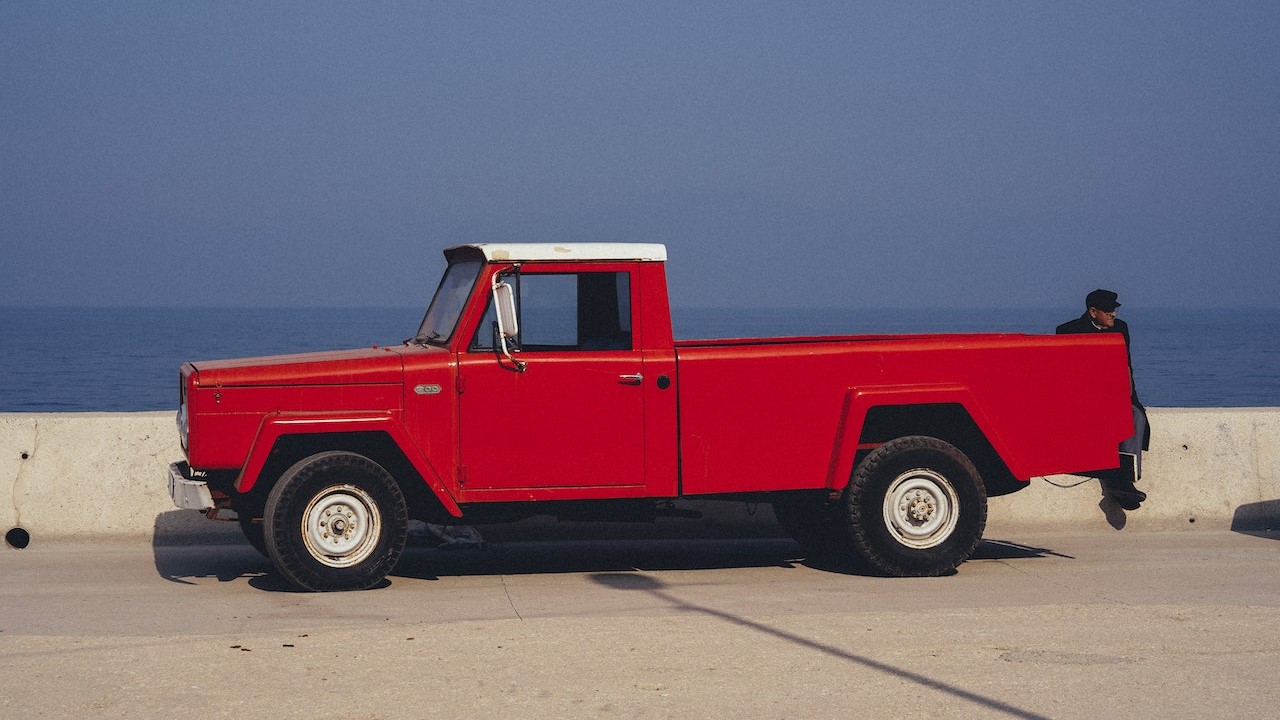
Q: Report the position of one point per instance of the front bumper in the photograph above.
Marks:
(187, 492)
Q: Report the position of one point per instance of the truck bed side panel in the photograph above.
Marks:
(769, 415)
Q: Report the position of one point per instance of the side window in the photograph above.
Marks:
(567, 312)
(548, 306)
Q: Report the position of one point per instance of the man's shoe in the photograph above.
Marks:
(1124, 493)
(1127, 500)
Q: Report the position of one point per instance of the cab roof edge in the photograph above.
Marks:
(544, 252)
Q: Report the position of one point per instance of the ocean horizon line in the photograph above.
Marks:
(1005, 307)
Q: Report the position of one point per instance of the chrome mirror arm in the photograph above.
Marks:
(504, 306)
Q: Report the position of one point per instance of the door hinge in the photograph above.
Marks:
(462, 475)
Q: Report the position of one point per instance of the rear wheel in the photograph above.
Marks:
(335, 521)
(916, 506)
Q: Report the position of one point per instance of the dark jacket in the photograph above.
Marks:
(1084, 325)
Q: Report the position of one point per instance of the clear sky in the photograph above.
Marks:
(897, 154)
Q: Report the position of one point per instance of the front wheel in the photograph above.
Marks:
(916, 507)
(252, 529)
(249, 518)
(335, 521)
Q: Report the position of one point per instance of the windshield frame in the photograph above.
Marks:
(450, 300)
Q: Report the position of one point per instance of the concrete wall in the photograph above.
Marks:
(79, 475)
(1207, 468)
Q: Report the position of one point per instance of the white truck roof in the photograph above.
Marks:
(542, 252)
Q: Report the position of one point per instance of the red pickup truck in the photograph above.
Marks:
(544, 379)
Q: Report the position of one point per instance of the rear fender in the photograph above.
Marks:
(860, 401)
(274, 427)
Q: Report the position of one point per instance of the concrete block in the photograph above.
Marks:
(82, 475)
(1207, 468)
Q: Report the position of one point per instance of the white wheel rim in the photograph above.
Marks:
(921, 509)
(341, 525)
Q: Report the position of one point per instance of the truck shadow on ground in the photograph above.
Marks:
(183, 557)
(231, 562)
(591, 556)
(186, 564)
(600, 547)
(238, 561)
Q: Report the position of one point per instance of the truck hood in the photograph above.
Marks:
(338, 367)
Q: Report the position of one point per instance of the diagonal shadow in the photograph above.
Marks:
(656, 588)
(1008, 550)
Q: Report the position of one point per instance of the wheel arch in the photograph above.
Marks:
(281, 444)
(948, 413)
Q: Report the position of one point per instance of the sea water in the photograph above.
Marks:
(127, 359)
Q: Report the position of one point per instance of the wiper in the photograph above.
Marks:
(424, 340)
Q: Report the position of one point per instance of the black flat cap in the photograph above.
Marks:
(1104, 300)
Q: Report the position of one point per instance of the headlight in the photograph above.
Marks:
(182, 411)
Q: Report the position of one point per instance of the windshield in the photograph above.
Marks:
(442, 317)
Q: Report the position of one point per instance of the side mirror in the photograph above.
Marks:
(508, 327)
(504, 301)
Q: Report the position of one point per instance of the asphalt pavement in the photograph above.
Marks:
(1132, 625)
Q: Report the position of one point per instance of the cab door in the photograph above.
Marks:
(571, 424)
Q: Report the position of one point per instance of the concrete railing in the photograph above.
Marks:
(88, 475)
(1207, 468)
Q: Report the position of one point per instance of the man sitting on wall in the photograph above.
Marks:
(1100, 316)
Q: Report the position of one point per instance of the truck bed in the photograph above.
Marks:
(760, 414)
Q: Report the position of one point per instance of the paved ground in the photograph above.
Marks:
(1127, 625)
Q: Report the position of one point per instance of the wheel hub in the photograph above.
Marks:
(921, 508)
(340, 525)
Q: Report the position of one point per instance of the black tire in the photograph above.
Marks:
(248, 509)
(812, 520)
(335, 521)
(252, 527)
(916, 507)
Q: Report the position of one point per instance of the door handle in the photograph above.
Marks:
(631, 379)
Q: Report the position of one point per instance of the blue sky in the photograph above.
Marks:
(789, 154)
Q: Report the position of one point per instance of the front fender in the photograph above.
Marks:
(274, 427)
